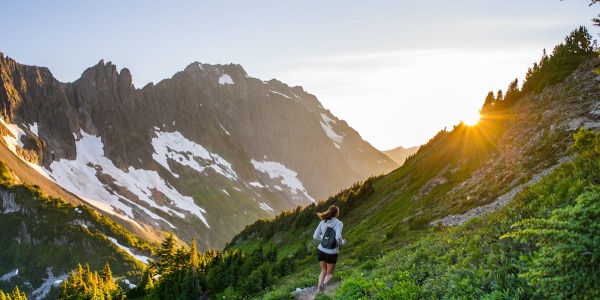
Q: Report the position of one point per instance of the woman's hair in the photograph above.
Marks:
(330, 213)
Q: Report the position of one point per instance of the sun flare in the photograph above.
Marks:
(471, 119)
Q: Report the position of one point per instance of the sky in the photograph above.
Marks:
(397, 71)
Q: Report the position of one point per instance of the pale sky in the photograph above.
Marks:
(396, 71)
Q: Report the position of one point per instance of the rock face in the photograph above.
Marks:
(201, 154)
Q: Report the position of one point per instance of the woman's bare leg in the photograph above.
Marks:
(329, 269)
(323, 272)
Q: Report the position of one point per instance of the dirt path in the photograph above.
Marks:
(310, 292)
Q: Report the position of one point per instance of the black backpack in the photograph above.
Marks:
(328, 241)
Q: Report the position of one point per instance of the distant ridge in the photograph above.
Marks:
(400, 154)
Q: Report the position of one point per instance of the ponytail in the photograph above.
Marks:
(332, 212)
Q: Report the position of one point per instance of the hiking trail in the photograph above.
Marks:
(310, 292)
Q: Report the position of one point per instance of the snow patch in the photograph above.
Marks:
(256, 184)
(174, 146)
(225, 129)
(278, 93)
(34, 129)
(9, 275)
(327, 119)
(44, 289)
(15, 139)
(225, 79)
(141, 258)
(286, 176)
(9, 203)
(337, 139)
(297, 97)
(129, 284)
(79, 176)
(278, 187)
(265, 207)
(224, 191)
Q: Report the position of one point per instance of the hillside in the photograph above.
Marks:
(494, 181)
(44, 238)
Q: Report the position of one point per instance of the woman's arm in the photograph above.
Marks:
(318, 233)
(338, 234)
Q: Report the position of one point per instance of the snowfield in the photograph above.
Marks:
(174, 146)
(80, 176)
(288, 177)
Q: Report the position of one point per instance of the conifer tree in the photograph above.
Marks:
(85, 284)
(16, 294)
(489, 100)
(512, 93)
(565, 58)
(190, 288)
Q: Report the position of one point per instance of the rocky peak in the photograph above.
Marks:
(105, 79)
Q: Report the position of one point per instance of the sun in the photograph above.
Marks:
(471, 119)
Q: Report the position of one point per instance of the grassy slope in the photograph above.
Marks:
(393, 218)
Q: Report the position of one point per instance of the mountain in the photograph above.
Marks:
(201, 154)
(400, 154)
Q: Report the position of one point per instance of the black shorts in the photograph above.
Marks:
(328, 258)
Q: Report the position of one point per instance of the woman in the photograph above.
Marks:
(328, 257)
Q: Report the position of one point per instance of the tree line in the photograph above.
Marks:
(551, 69)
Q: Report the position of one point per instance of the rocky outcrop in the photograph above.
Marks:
(261, 147)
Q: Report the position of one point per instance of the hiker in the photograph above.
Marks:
(327, 252)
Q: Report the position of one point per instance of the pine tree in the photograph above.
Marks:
(512, 93)
(85, 284)
(565, 58)
(489, 100)
(190, 288)
(17, 294)
(106, 273)
(166, 255)
(499, 96)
